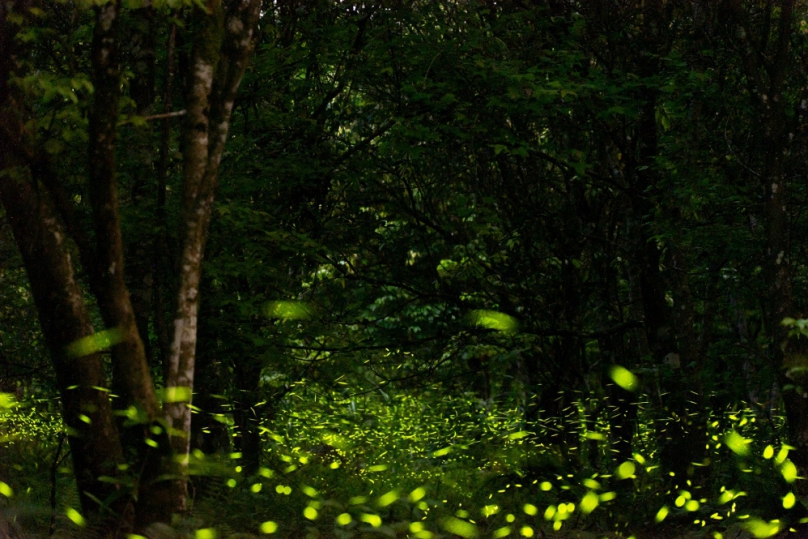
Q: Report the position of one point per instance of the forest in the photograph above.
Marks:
(433, 269)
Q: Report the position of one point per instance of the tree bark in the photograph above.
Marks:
(64, 318)
(221, 50)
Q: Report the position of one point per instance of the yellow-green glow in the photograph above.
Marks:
(493, 320)
(459, 527)
(75, 517)
(624, 378)
(737, 443)
(95, 343)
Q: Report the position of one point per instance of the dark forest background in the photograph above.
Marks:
(453, 268)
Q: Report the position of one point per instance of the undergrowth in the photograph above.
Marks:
(428, 466)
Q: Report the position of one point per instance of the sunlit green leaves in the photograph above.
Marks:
(768, 452)
(269, 527)
(205, 533)
(624, 378)
(493, 320)
(661, 514)
(288, 310)
(6, 490)
(95, 343)
(789, 500)
(310, 513)
(343, 519)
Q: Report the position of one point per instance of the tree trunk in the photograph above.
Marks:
(64, 318)
(222, 47)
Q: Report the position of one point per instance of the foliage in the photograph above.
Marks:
(473, 269)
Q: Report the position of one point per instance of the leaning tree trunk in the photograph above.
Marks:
(64, 318)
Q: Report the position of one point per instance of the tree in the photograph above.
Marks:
(47, 224)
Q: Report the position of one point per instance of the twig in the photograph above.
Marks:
(153, 117)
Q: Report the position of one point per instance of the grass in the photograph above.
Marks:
(429, 465)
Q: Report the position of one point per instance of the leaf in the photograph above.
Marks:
(205, 533)
(269, 527)
(5, 490)
(288, 310)
(624, 378)
(661, 514)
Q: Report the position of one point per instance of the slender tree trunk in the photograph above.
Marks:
(222, 47)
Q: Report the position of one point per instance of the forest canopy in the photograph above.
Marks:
(417, 269)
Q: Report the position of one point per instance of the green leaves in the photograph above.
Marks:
(288, 310)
